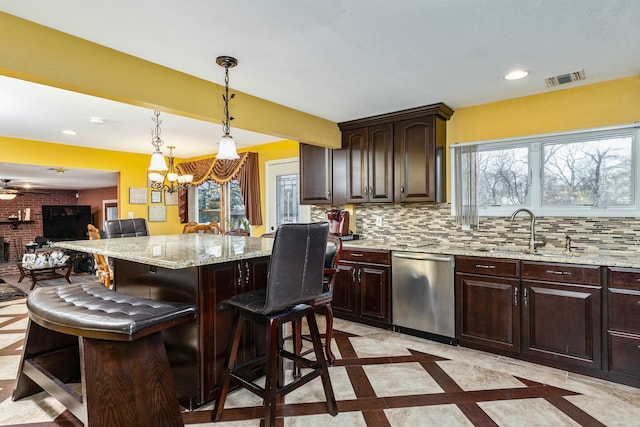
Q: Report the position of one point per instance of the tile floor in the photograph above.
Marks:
(381, 378)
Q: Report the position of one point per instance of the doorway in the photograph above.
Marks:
(283, 194)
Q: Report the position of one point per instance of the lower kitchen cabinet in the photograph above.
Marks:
(362, 289)
(561, 313)
(487, 303)
(622, 350)
(543, 312)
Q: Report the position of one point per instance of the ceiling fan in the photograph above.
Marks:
(8, 192)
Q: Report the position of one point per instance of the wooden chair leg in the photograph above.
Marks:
(328, 314)
(273, 373)
(226, 378)
(296, 327)
(332, 406)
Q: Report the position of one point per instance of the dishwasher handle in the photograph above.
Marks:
(423, 257)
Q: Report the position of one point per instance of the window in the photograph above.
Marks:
(220, 203)
(586, 173)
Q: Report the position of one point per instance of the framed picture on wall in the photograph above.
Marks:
(171, 199)
(157, 213)
(156, 196)
(138, 195)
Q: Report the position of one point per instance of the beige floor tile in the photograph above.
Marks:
(526, 412)
(400, 379)
(439, 415)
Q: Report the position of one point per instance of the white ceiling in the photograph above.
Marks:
(337, 59)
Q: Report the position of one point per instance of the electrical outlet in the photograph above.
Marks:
(379, 221)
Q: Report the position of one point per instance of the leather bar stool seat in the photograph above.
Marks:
(112, 343)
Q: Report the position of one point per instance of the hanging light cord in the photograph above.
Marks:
(156, 141)
(226, 62)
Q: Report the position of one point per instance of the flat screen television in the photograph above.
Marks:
(65, 222)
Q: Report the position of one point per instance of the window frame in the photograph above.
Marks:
(534, 144)
(225, 207)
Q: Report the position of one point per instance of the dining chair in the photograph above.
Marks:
(103, 270)
(203, 229)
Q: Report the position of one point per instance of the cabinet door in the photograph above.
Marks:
(344, 299)
(355, 143)
(380, 182)
(488, 312)
(415, 160)
(374, 292)
(562, 322)
(315, 175)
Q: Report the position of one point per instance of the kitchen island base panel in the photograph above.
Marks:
(196, 350)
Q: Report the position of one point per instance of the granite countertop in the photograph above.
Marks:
(176, 251)
(605, 258)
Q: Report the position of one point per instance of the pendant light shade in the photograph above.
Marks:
(227, 146)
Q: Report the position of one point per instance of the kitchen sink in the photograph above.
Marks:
(524, 252)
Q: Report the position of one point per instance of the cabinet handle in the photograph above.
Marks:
(560, 273)
(485, 266)
(402, 190)
(359, 275)
(357, 254)
(525, 297)
(353, 275)
(515, 297)
(247, 271)
(239, 275)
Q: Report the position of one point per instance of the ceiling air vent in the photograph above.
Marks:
(564, 78)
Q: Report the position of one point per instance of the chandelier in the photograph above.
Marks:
(158, 171)
(227, 147)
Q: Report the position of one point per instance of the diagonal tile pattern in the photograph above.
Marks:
(381, 378)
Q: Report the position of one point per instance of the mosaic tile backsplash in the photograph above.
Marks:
(420, 222)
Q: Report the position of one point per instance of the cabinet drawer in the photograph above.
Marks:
(625, 278)
(624, 310)
(624, 353)
(370, 255)
(488, 266)
(564, 273)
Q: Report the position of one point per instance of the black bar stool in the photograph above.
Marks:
(295, 278)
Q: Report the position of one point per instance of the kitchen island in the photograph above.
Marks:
(199, 269)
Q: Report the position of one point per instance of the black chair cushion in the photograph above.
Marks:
(130, 227)
(295, 270)
(93, 311)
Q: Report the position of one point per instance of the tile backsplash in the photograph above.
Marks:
(434, 222)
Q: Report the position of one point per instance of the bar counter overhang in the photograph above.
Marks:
(200, 269)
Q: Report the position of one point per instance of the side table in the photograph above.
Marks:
(45, 273)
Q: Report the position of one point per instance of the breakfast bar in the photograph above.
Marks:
(197, 269)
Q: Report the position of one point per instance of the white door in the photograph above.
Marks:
(283, 194)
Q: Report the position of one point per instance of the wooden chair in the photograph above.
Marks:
(203, 229)
(216, 226)
(324, 300)
(103, 270)
(188, 226)
(237, 232)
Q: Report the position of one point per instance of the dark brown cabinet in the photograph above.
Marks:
(487, 303)
(419, 156)
(369, 163)
(316, 175)
(561, 313)
(396, 157)
(197, 350)
(362, 287)
(622, 350)
(543, 312)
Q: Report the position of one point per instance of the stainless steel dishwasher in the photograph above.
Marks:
(423, 295)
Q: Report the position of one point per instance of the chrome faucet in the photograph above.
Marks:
(532, 237)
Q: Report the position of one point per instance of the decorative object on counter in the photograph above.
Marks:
(158, 171)
(227, 146)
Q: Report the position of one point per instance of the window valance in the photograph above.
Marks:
(245, 170)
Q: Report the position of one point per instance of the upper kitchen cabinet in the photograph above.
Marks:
(369, 163)
(396, 157)
(316, 171)
(420, 154)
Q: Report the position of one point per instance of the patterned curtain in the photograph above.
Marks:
(245, 170)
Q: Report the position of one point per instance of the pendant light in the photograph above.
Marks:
(227, 146)
(158, 165)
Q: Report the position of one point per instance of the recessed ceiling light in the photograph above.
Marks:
(97, 120)
(515, 75)
(69, 132)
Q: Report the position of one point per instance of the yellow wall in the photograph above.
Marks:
(602, 104)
